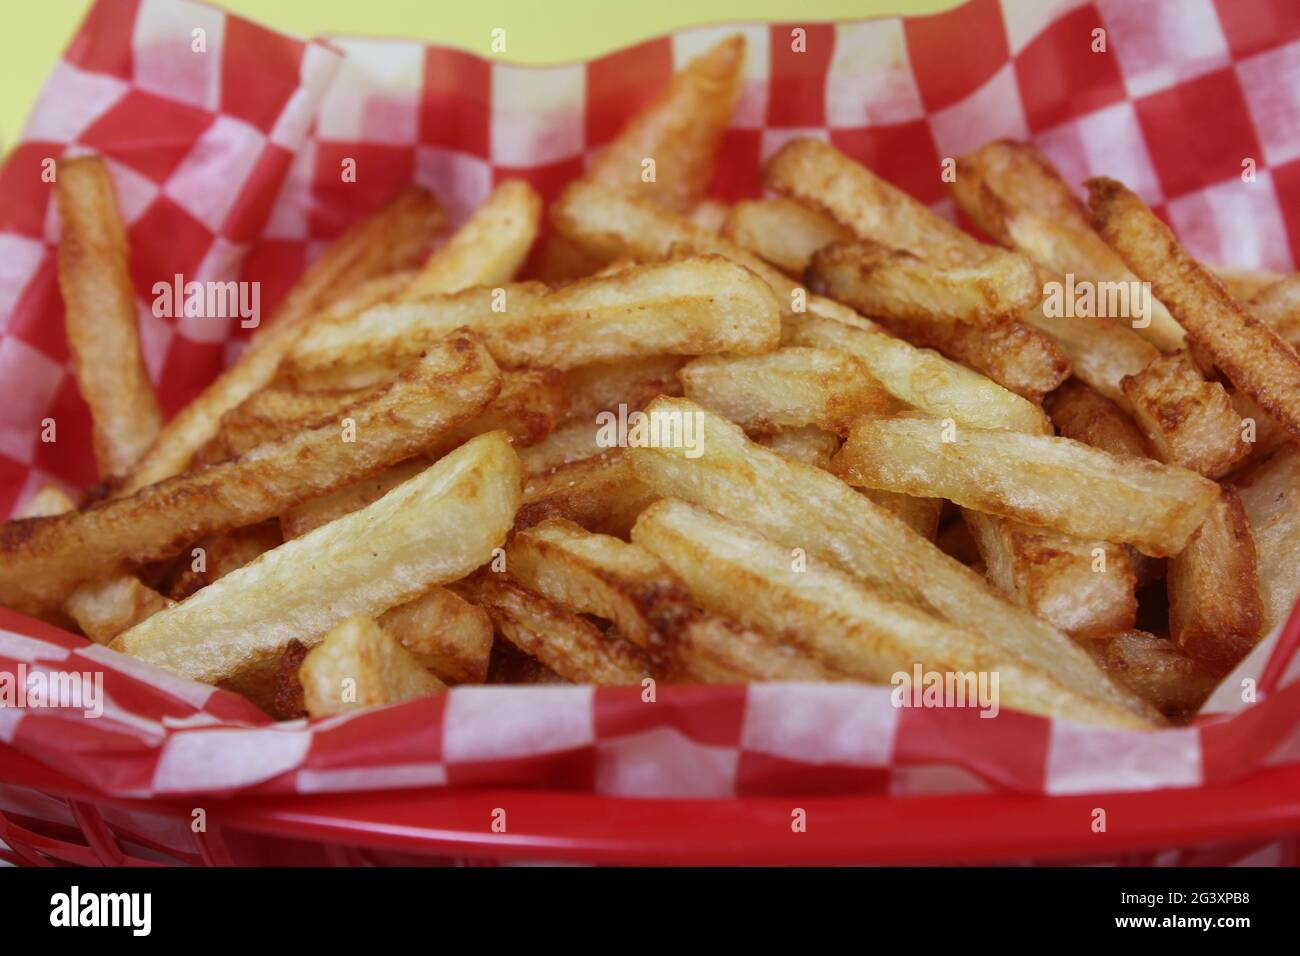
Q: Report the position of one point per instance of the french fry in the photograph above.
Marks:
(781, 231)
(1100, 351)
(1158, 671)
(311, 514)
(602, 494)
(362, 564)
(709, 214)
(446, 634)
(1013, 193)
(800, 506)
(1084, 415)
(44, 559)
(1243, 283)
(895, 285)
(920, 514)
(358, 665)
(391, 239)
(1260, 429)
(606, 385)
(99, 311)
(1045, 482)
(688, 307)
(809, 446)
(1215, 611)
(564, 641)
(489, 248)
(1270, 493)
(713, 650)
(48, 500)
(1246, 350)
(789, 388)
(922, 379)
(1278, 305)
(736, 572)
(821, 177)
(1189, 421)
(564, 446)
(1084, 588)
(103, 610)
(680, 132)
(601, 575)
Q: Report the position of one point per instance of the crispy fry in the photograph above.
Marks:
(895, 285)
(736, 572)
(1215, 612)
(781, 231)
(1045, 482)
(42, 560)
(788, 388)
(1013, 193)
(811, 446)
(564, 641)
(920, 514)
(1084, 588)
(689, 307)
(362, 564)
(821, 177)
(680, 131)
(1189, 421)
(713, 650)
(563, 447)
(448, 635)
(392, 238)
(1278, 305)
(803, 507)
(1245, 349)
(606, 385)
(601, 494)
(922, 379)
(1157, 670)
(1243, 283)
(1101, 352)
(1080, 413)
(358, 665)
(99, 311)
(601, 575)
(311, 514)
(1260, 429)
(104, 610)
(489, 248)
(1270, 493)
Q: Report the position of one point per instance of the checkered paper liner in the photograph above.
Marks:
(227, 164)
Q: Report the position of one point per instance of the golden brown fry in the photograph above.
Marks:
(781, 231)
(1245, 349)
(680, 132)
(709, 214)
(1080, 413)
(821, 177)
(1215, 612)
(99, 311)
(1243, 283)
(788, 388)
(362, 564)
(1013, 193)
(105, 609)
(564, 446)
(308, 515)
(1259, 428)
(601, 575)
(713, 650)
(601, 494)
(448, 635)
(810, 446)
(1084, 588)
(895, 285)
(922, 379)
(358, 665)
(1158, 671)
(1189, 421)
(1100, 351)
(48, 500)
(565, 642)
(1278, 305)
(42, 560)
(736, 572)
(392, 238)
(606, 385)
(489, 248)
(1045, 482)
(920, 514)
(1270, 493)
(803, 507)
(688, 307)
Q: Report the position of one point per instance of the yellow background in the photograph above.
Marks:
(537, 31)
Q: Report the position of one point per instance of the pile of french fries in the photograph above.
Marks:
(903, 458)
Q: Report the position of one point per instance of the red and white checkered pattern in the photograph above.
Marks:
(228, 164)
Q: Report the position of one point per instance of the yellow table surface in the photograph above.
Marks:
(537, 31)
